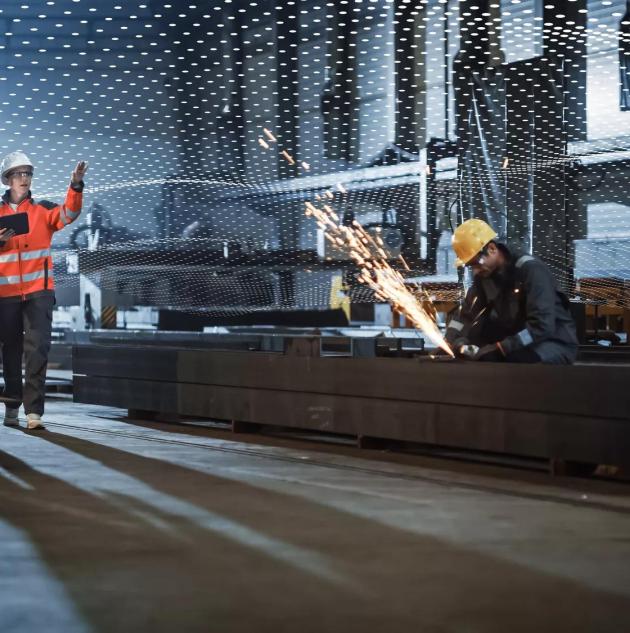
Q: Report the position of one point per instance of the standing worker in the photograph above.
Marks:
(27, 287)
(514, 310)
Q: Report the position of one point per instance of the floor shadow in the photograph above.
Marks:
(397, 580)
(411, 457)
(129, 567)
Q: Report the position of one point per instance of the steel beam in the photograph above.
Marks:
(571, 413)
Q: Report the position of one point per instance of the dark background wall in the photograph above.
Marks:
(151, 90)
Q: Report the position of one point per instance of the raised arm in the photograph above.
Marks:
(60, 215)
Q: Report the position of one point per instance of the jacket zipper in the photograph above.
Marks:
(20, 265)
(46, 274)
(20, 261)
(21, 279)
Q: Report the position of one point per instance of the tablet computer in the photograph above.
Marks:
(16, 221)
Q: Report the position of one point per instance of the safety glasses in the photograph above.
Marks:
(477, 260)
(21, 174)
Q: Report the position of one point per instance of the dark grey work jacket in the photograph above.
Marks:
(519, 306)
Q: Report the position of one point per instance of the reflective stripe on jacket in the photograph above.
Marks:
(25, 260)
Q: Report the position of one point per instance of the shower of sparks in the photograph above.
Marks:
(288, 157)
(368, 253)
(375, 271)
(269, 135)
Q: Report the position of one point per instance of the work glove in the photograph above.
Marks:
(485, 353)
(458, 345)
(466, 351)
(488, 353)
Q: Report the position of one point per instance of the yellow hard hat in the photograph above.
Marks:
(469, 238)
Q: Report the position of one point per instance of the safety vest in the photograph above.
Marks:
(25, 260)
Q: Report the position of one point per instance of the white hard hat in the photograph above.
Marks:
(11, 161)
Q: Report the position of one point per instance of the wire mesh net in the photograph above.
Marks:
(208, 127)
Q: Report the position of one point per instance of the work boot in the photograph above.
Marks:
(11, 417)
(34, 422)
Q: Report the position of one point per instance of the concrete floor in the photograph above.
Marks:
(110, 525)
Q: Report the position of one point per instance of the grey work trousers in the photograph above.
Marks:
(25, 330)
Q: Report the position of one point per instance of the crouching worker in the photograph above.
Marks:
(27, 287)
(514, 310)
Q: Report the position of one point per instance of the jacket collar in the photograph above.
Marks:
(7, 196)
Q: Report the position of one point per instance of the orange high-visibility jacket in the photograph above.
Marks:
(25, 260)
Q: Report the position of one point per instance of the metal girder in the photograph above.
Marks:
(588, 390)
(573, 413)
